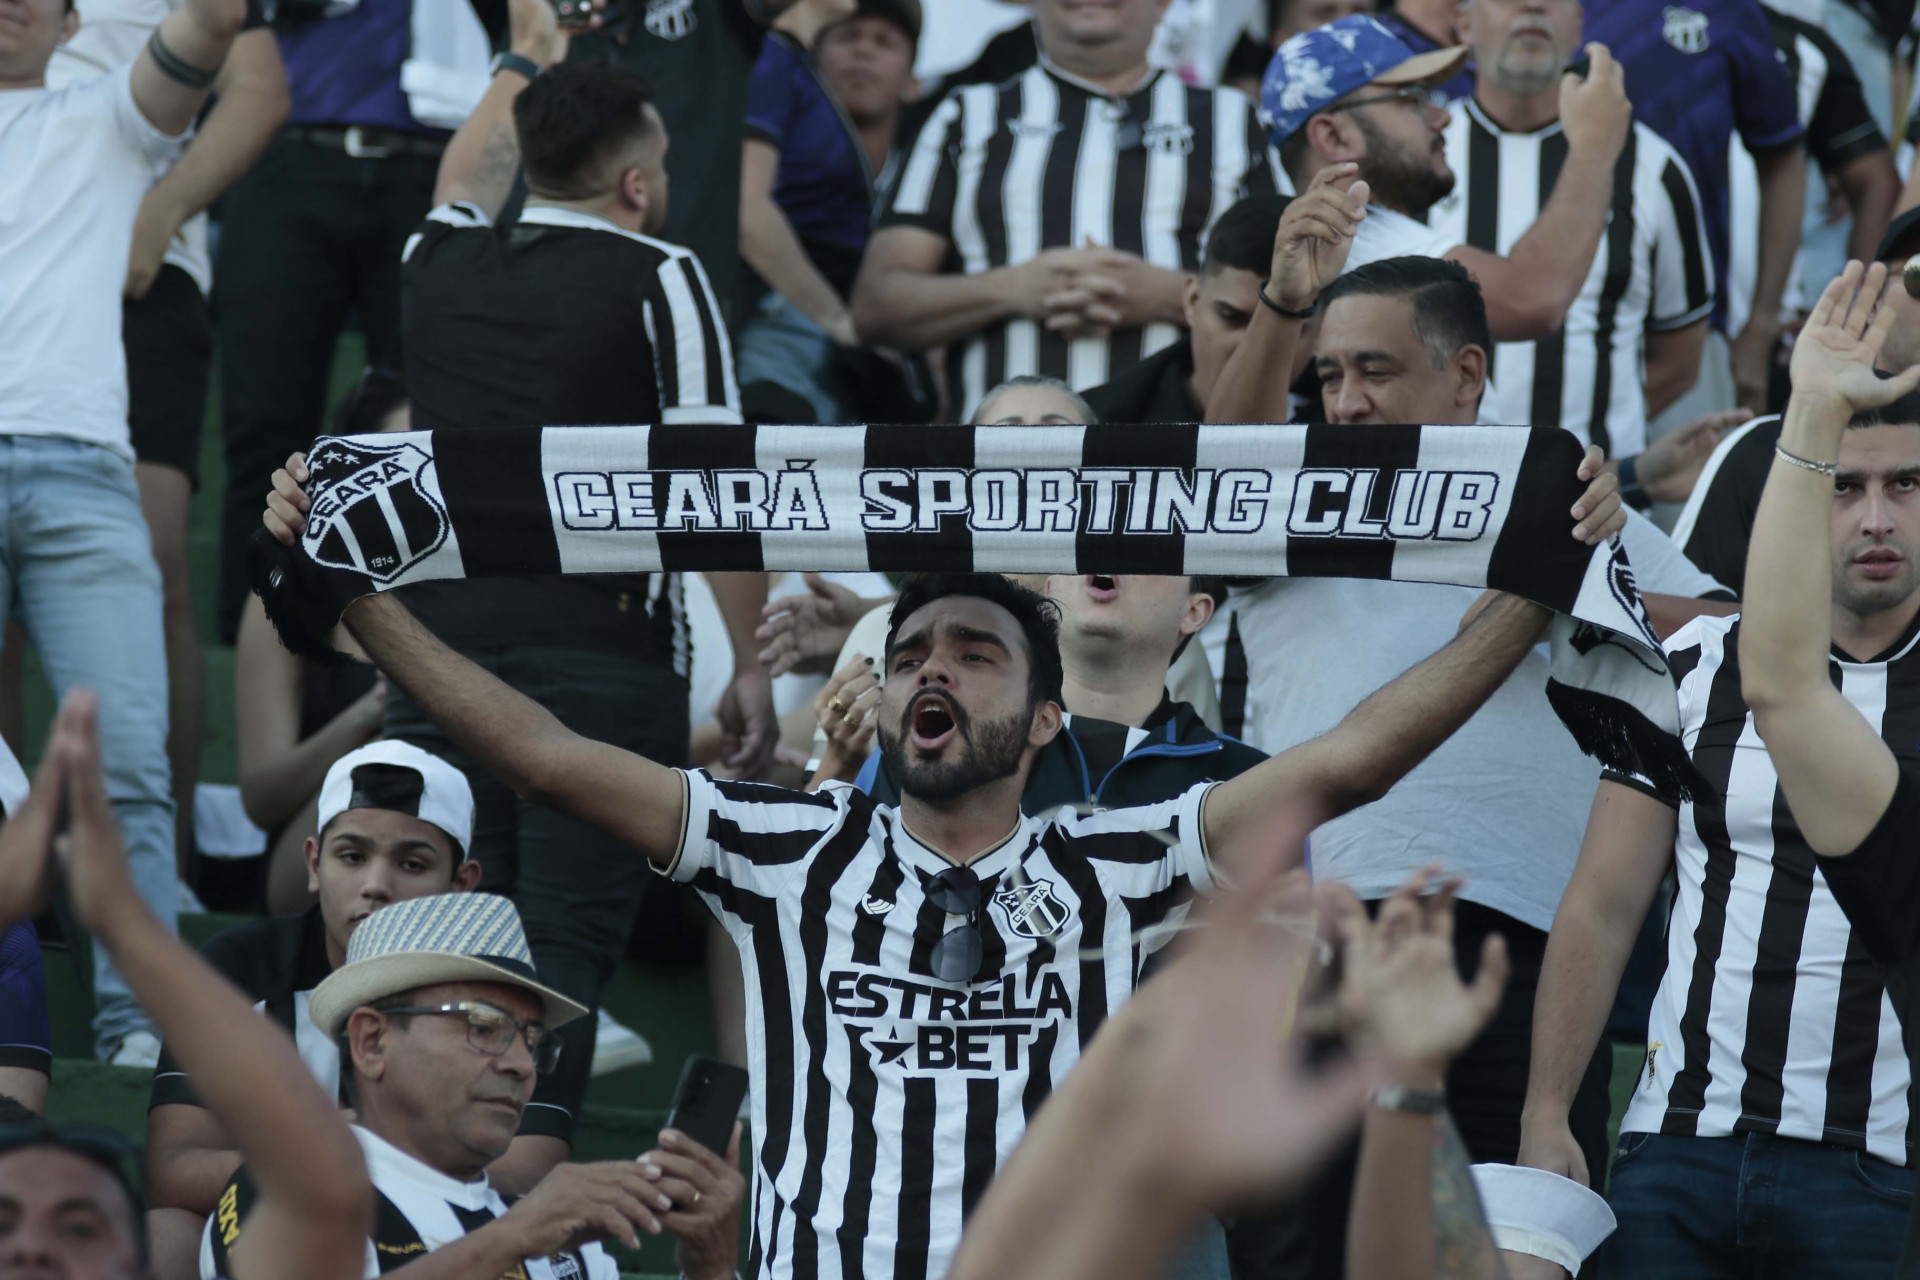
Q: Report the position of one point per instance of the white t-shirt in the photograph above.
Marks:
(74, 165)
(112, 34)
(1503, 802)
(1384, 233)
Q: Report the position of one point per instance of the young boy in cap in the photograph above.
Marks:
(443, 1025)
(395, 823)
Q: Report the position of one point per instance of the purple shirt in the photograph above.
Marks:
(1454, 90)
(822, 184)
(346, 70)
(1695, 74)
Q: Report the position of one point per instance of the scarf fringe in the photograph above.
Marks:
(1622, 738)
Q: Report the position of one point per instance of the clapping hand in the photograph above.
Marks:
(804, 632)
(1310, 248)
(1834, 356)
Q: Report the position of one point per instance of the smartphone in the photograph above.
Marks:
(1582, 67)
(707, 1102)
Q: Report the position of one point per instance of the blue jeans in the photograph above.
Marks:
(1752, 1207)
(77, 569)
(780, 345)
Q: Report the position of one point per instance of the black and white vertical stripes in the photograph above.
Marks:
(1770, 1017)
(1652, 273)
(1043, 161)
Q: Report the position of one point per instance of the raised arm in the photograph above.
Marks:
(1626, 852)
(522, 743)
(315, 1201)
(182, 61)
(483, 155)
(251, 102)
(1380, 740)
(1309, 251)
(1528, 291)
(1836, 772)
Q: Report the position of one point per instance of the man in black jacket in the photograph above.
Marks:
(1125, 740)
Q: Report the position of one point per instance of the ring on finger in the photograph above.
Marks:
(838, 707)
(696, 1195)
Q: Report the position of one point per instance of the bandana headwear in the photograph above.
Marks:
(1476, 506)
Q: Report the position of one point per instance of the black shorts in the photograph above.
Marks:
(169, 343)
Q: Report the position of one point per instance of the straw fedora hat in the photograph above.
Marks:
(447, 937)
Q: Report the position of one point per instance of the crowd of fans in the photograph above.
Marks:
(1100, 925)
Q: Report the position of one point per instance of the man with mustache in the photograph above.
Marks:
(1647, 290)
(920, 976)
(1354, 93)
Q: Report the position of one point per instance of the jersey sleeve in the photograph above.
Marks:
(26, 1038)
(692, 355)
(1766, 109)
(770, 92)
(924, 190)
(752, 835)
(1717, 522)
(1878, 884)
(1842, 128)
(1147, 850)
(138, 131)
(1683, 281)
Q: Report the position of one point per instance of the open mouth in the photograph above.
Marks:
(1103, 587)
(932, 721)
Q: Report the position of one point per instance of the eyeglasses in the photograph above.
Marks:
(492, 1031)
(1417, 96)
(956, 956)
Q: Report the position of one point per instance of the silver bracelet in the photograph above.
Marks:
(1808, 464)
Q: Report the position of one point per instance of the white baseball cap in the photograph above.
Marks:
(1543, 1214)
(442, 796)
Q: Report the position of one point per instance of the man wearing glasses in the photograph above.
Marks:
(1353, 92)
(443, 1027)
(919, 978)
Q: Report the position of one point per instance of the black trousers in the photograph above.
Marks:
(576, 888)
(1486, 1088)
(308, 238)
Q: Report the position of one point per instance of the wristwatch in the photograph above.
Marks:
(514, 62)
(1419, 1102)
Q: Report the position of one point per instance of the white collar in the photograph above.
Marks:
(387, 1163)
(546, 215)
(1054, 69)
(1001, 858)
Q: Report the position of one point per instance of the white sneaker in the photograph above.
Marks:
(139, 1049)
(618, 1047)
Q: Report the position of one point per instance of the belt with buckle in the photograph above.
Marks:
(367, 142)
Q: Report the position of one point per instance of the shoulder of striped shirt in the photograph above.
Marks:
(459, 213)
(1690, 514)
(1697, 631)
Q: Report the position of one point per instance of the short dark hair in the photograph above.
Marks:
(1448, 311)
(1039, 619)
(572, 118)
(1242, 239)
(21, 1129)
(1903, 412)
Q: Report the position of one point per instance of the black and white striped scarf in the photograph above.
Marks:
(1469, 505)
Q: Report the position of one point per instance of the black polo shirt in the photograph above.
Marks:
(1155, 390)
(562, 319)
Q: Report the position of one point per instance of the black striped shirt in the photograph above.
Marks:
(1045, 161)
(1771, 1016)
(883, 1097)
(1651, 273)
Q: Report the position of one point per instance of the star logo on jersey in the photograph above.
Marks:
(374, 513)
(1685, 29)
(891, 1051)
(875, 906)
(1032, 909)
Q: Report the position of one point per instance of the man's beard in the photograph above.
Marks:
(1398, 180)
(993, 753)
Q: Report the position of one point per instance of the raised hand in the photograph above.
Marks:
(1599, 511)
(93, 860)
(804, 632)
(1594, 112)
(288, 503)
(26, 844)
(1670, 466)
(1310, 247)
(845, 709)
(1835, 354)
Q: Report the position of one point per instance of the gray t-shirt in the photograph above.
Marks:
(1503, 802)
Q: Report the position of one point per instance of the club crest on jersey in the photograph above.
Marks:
(1685, 29)
(1032, 908)
(565, 1267)
(374, 515)
(875, 906)
(670, 19)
